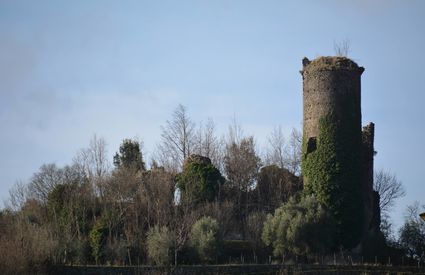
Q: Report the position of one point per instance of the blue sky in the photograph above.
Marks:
(71, 69)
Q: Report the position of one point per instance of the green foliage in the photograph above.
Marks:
(333, 172)
(129, 156)
(200, 180)
(299, 228)
(97, 239)
(204, 239)
(160, 243)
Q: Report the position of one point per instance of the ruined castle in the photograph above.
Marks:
(337, 160)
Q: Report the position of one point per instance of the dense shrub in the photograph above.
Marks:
(204, 239)
(299, 228)
(160, 241)
(97, 240)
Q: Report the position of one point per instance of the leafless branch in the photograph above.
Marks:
(389, 189)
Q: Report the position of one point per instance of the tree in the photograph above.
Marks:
(93, 161)
(207, 144)
(177, 139)
(43, 182)
(276, 152)
(157, 191)
(389, 189)
(160, 242)
(284, 154)
(294, 152)
(204, 238)
(130, 156)
(299, 228)
(17, 196)
(342, 48)
(200, 181)
(121, 208)
(242, 163)
(70, 206)
(412, 234)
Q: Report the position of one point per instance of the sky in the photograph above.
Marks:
(118, 69)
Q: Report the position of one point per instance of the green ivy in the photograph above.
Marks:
(333, 172)
(199, 182)
(97, 239)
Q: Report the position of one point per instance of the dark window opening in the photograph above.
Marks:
(311, 145)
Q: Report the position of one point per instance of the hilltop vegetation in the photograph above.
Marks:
(201, 199)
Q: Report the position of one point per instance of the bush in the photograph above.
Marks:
(299, 228)
(160, 243)
(97, 240)
(204, 239)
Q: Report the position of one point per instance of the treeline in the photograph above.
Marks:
(201, 199)
(92, 212)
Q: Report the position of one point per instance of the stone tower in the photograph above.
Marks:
(337, 160)
(326, 82)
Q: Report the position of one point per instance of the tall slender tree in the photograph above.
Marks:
(177, 139)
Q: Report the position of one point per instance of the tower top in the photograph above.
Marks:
(330, 63)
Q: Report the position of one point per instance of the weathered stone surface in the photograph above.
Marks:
(328, 81)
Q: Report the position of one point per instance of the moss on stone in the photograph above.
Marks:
(331, 63)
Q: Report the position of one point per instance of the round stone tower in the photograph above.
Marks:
(329, 82)
(332, 143)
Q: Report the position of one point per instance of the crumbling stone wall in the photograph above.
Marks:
(372, 211)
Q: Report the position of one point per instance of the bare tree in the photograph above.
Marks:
(242, 163)
(235, 133)
(276, 153)
(207, 144)
(93, 161)
(44, 181)
(412, 211)
(293, 151)
(157, 191)
(342, 48)
(282, 153)
(389, 189)
(17, 196)
(177, 139)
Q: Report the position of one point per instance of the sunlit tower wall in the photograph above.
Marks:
(333, 152)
